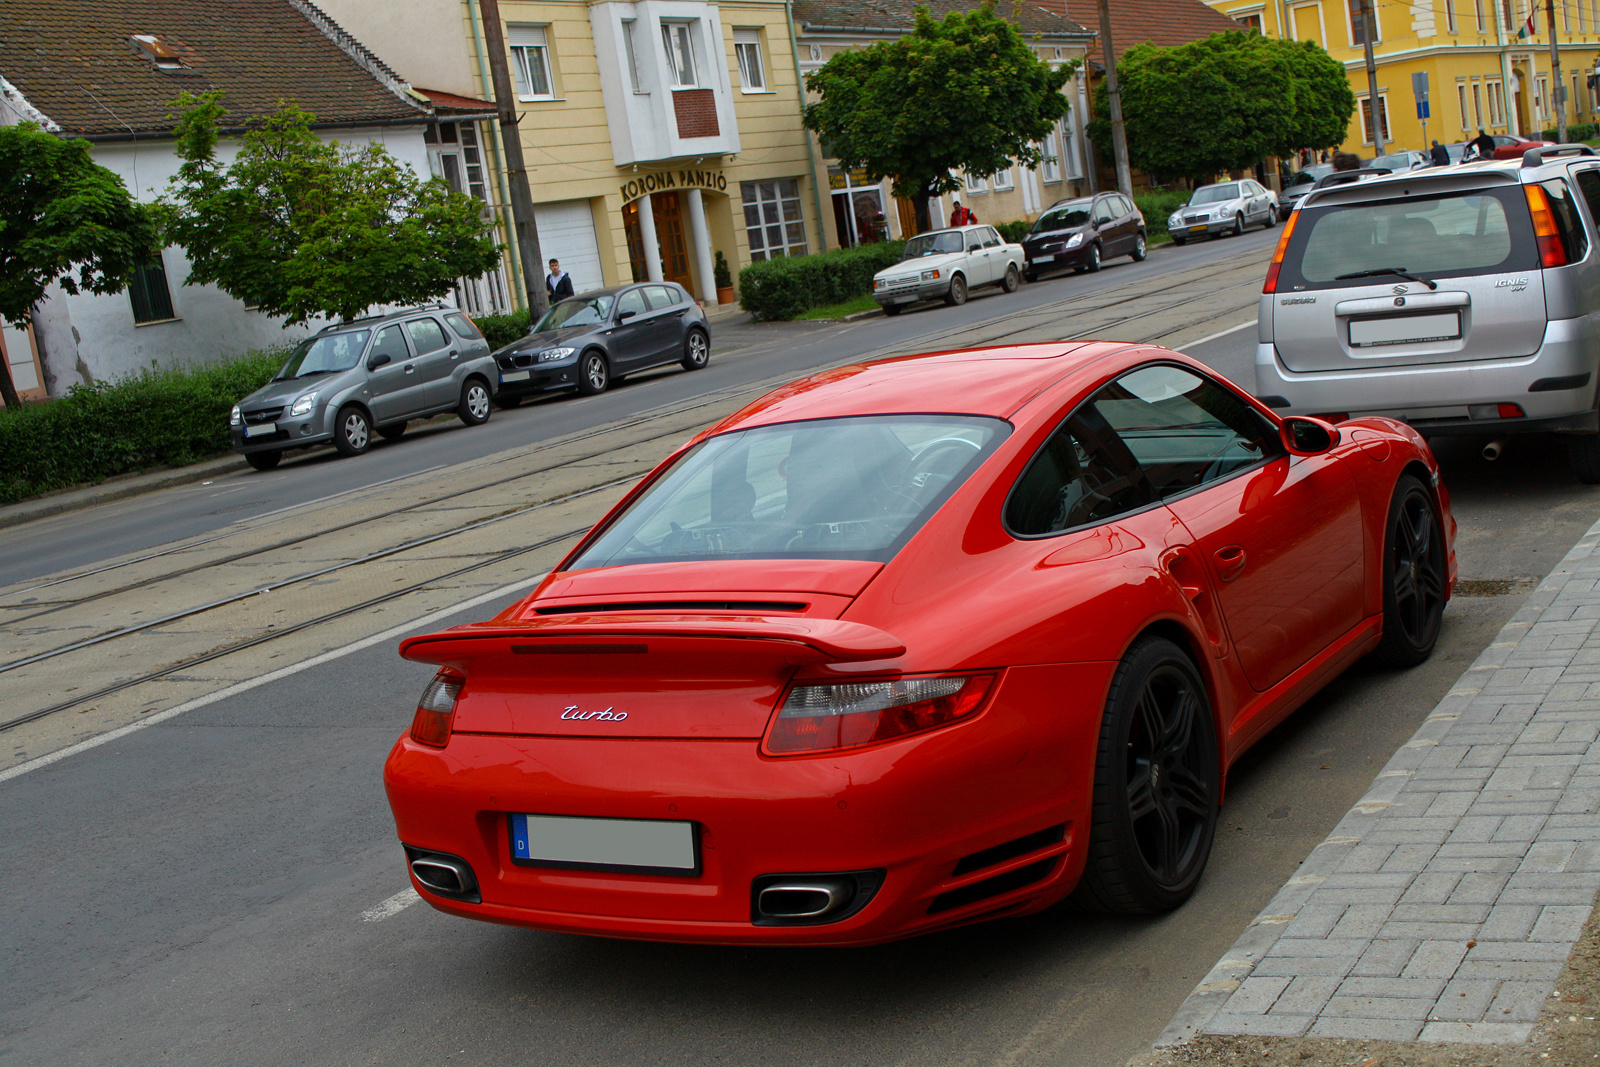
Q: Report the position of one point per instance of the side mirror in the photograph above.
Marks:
(1303, 435)
(378, 360)
(624, 316)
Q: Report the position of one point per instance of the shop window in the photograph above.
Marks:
(530, 62)
(858, 213)
(680, 54)
(148, 291)
(772, 218)
(752, 71)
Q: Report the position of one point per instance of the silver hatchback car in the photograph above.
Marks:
(1462, 300)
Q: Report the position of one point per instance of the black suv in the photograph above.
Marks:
(1084, 232)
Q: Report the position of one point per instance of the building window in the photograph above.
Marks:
(455, 156)
(1383, 118)
(1477, 12)
(752, 72)
(680, 54)
(1477, 106)
(628, 27)
(530, 62)
(772, 219)
(1002, 180)
(1541, 93)
(1358, 25)
(1307, 19)
(152, 300)
(976, 184)
(1050, 169)
(1251, 23)
(1509, 19)
(1450, 16)
(1461, 101)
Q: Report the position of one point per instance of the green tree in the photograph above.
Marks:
(1224, 103)
(965, 94)
(63, 218)
(301, 227)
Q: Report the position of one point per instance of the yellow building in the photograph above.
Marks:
(1480, 74)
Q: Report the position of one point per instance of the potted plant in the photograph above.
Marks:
(724, 279)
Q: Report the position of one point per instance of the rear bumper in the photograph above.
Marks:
(1555, 387)
(914, 808)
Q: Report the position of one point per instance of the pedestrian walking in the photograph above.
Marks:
(962, 216)
(558, 283)
(1483, 144)
(1439, 154)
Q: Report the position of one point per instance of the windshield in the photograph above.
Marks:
(854, 488)
(1215, 194)
(580, 311)
(325, 354)
(932, 244)
(1311, 174)
(1063, 217)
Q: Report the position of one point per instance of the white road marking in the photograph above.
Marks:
(393, 906)
(1219, 333)
(282, 672)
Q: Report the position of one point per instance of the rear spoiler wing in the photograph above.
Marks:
(1534, 157)
(812, 640)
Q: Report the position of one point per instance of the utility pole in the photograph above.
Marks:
(1369, 29)
(1558, 91)
(527, 233)
(1119, 136)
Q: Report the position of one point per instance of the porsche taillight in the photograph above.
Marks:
(818, 718)
(1277, 256)
(431, 724)
(1552, 253)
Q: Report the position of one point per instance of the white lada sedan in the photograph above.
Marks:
(946, 265)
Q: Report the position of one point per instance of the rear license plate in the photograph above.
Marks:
(514, 376)
(1405, 329)
(646, 846)
(260, 428)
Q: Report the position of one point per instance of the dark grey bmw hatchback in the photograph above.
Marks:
(588, 341)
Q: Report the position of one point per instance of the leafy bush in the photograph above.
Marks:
(783, 288)
(156, 418)
(1576, 132)
(501, 330)
(1155, 207)
(1013, 232)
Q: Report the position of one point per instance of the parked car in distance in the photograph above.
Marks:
(1460, 300)
(1511, 145)
(947, 265)
(913, 644)
(1457, 152)
(1299, 184)
(1226, 207)
(1083, 233)
(1395, 162)
(367, 375)
(591, 340)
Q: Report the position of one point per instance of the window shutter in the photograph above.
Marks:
(746, 36)
(525, 36)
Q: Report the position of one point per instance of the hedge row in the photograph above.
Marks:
(1155, 207)
(157, 418)
(784, 288)
(501, 330)
(1579, 131)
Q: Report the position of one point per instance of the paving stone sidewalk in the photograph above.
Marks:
(1443, 906)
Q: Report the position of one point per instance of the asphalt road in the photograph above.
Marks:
(225, 887)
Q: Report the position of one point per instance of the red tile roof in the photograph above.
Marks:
(1163, 22)
(455, 104)
(74, 61)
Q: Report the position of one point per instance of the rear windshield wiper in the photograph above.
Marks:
(1399, 272)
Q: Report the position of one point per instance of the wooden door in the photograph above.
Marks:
(669, 232)
(908, 217)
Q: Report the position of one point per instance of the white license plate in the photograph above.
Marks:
(1044, 259)
(905, 298)
(646, 845)
(1405, 329)
(260, 428)
(514, 376)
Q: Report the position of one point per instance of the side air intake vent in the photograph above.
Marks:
(992, 887)
(1011, 850)
(754, 607)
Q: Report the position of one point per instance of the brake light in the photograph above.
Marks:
(437, 707)
(819, 718)
(1277, 256)
(1552, 253)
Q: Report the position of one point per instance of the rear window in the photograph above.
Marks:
(1483, 231)
(462, 326)
(854, 488)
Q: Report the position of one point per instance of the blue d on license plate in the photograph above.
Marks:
(657, 846)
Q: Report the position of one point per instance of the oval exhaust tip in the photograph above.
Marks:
(802, 900)
(439, 874)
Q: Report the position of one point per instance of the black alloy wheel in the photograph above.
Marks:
(392, 432)
(1156, 785)
(696, 350)
(1092, 264)
(352, 431)
(958, 292)
(263, 461)
(1011, 281)
(1141, 248)
(474, 408)
(594, 373)
(1414, 576)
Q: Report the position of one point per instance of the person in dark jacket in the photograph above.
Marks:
(1439, 154)
(1483, 143)
(558, 283)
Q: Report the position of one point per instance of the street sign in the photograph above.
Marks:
(1422, 109)
(1561, 95)
(1419, 85)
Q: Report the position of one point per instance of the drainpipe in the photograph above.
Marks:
(518, 295)
(800, 94)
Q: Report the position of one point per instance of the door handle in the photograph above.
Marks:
(1230, 560)
(454, 354)
(410, 369)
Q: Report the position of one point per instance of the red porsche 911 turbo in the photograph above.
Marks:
(912, 644)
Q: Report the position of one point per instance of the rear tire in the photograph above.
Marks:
(352, 431)
(696, 350)
(1583, 456)
(1157, 781)
(1011, 281)
(474, 407)
(393, 432)
(958, 292)
(594, 373)
(1140, 249)
(1414, 576)
(263, 461)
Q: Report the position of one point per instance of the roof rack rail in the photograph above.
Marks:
(1342, 177)
(1534, 157)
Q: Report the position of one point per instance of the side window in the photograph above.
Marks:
(463, 326)
(660, 297)
(990, 238)
(1589, 186)
(1082, 475)
(632, 300)
(1569, 220)
(391, 342)
(1128, 207)
(1184, 429)
(426, 335)
(1103, 211)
